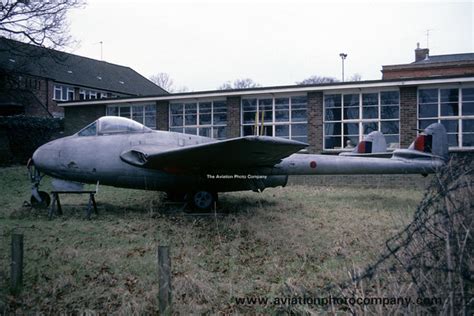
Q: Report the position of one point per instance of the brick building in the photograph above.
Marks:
(33, 79)
(326, 116)
(426, 66)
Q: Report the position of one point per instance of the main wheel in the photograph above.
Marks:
(45, 200)
(203, 200)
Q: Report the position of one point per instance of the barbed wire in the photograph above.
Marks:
(436, 250)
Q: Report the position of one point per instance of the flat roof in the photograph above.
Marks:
(279, 90)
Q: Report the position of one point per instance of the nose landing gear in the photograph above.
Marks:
(38, 199)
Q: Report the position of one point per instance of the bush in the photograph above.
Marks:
(433, 257)
(25, 134)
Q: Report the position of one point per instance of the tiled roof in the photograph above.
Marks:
(73, 69)
(446, 58)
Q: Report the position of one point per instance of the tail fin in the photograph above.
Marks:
(431, 143)
(432, 140)
(373, 144)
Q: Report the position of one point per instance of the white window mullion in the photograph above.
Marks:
(460, 127)
(198, 121)
(439, 102)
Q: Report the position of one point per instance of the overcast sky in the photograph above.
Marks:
(202, 44)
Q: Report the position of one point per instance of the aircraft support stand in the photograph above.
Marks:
(56, 204)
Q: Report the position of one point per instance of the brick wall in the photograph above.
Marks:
(233, 117)
(41, 102)
(78, 117)
(162, 115)
(37, 104)
(427, 72)
(315, 122)
(53, 105)
(408, 120)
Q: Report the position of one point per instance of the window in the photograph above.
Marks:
(115, 125)
(63, 93)
(451, 106)
(90, 130)
(70, 94)
(142, 113)
(282, 116)
(203, 118)
(348, 117)
(89, 94)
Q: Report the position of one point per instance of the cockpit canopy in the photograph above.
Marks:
(109, 125)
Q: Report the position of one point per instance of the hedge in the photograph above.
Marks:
(25, 134)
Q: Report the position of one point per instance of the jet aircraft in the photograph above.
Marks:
(121, 152)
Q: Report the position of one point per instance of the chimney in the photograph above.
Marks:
(421, 53)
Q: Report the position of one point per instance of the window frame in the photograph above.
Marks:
(274, 123)
(198, 127)
(459, 117)
(64, 91)
(88, 94)
(130, 106)
(360, 120)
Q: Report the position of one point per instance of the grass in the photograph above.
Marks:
(281, 242)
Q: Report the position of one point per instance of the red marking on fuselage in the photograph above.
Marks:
(313, 164)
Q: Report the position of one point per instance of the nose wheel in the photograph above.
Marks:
(38, 199)
(43, 201)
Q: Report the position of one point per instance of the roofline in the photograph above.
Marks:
(75, 85)
(54, 51)
(276, 89)
(63, 52)
(438, 64)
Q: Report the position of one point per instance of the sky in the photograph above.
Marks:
(202, 44)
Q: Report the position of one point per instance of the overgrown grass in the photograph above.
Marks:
(269, 244)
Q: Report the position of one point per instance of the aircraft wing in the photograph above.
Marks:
(236, 153)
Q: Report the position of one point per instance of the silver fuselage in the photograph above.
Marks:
(89, 159)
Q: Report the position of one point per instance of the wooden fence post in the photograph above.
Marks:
(16, 280)
(164, 280)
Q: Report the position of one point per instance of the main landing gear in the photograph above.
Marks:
(38, 199)
(198, 200)
(204, 200)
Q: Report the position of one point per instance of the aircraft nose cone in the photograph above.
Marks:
(39, 157)
(44, 157)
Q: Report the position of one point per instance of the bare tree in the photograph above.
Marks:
(355, 77)
(239, 84)
(163, 80)
(317, 80)
(181, 89)
(42, 23)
